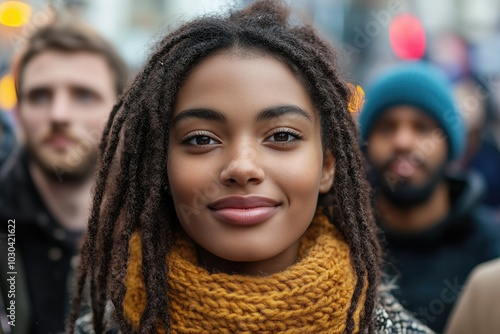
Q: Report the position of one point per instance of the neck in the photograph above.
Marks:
(419, 217)
(278, 263)
(68, 202)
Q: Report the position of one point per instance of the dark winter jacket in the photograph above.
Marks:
(432, 265)
(7, 137)
(45, 253)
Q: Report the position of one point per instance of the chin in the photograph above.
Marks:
(247, 253)
(416, 183)
(244, 257)
(61, 170)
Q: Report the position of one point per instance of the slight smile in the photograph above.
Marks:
(244, 210)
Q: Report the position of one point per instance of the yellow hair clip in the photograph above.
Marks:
(357, 98)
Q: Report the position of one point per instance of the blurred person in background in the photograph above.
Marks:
(472, 108)
(482, 154)
(67, 81)
(7, 137)
(436, 229)
(478, 310)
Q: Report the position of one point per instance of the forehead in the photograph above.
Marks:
(406, 113)
(226, 80)
(51, 68)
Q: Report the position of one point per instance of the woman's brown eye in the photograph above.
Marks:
(202, 140)
(199, 140)
(282, 136)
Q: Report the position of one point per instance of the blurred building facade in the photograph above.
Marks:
(459, 33)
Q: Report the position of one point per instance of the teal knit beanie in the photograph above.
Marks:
(420, 85)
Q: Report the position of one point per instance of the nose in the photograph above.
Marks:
(60, 108)
(242, 167)
(404, 139)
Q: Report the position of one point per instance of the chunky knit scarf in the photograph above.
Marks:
(311, 296)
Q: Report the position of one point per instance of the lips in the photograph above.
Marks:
(248, 210)
(59, 141)
(402, 168)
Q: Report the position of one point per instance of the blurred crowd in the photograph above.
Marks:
(429, 127)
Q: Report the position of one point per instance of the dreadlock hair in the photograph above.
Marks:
(129, 199)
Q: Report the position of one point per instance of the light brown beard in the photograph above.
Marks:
(74, 167)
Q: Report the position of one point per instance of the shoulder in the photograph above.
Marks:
(477, 308)
(485, 276)
(392, 318)
(84, 324)
(12, 175)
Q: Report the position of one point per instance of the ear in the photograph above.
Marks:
(328, 173)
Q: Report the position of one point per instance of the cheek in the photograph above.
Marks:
(93, 126)
(90, 127)
(439, 155)
(191, 183)
(33, 126)
(96, 118)
(299, 175)
(106, 109)
(378, 150)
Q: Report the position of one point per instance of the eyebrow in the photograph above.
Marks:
(73, 87)
(200, 113)
(263, 115)
(280, 111)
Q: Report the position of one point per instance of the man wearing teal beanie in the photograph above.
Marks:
(420, 85)
(434, 226)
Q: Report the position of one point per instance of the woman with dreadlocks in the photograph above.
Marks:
(237, 202)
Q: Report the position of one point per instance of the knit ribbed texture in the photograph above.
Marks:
(311, 296)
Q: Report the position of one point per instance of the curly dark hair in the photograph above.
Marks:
(135, 147)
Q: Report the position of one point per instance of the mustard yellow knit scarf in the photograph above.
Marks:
(311, 296)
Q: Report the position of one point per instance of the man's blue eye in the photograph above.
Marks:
(39, 96)
(84, 96)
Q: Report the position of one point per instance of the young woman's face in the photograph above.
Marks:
(246, 163)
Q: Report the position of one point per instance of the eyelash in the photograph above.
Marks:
(298, 137)
(186, 139)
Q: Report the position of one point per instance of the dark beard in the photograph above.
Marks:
(399, 191)
(65, 173)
